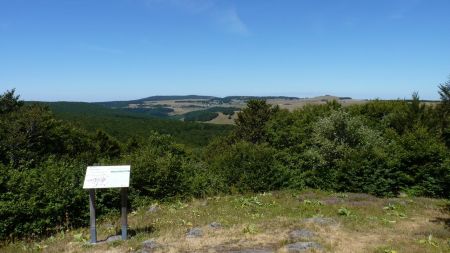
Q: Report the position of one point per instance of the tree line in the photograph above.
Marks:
(380, 147)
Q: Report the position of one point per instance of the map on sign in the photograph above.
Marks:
(107, 177)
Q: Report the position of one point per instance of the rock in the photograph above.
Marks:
(332, 201)
(153, 209)
(360, 203)
(251, 251)
(215, 225)
(361, 197)
(302, 247)
(149, 246)
(320, 221)
(300, 234)
(114, 238)
(194, 233)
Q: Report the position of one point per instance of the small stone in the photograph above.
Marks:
(302, 246)
(320, 221)
(150, 245)
(153, 209)
(194, 233)
(215, 225)
(251, 251)
(300, 234)
(114, 238)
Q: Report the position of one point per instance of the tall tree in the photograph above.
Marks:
(251, 121)
(9, 102)
(444, 111)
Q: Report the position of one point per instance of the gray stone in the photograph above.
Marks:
(302, 247)
(320, 220)
(114, 238)
(153, 209)
(300, 234)
(194, 233)
(215, 225)
(149, 245)
(251, 251)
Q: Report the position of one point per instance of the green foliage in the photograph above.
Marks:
(208, 114)
(41, 200)
(443, 112)
(123, 125)
(157, 111)
(247, 167)
(202, 115)
(9, 102)
(381, 147)
(251, 121)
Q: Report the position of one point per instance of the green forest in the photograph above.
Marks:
(381, 147)
(123, 124)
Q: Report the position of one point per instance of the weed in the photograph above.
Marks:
(249, 229)
(390, 207)
(429, 241)
(341, 195)
(313, 202)
(251, 201)
(344, 212)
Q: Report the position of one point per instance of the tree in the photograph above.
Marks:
(444, 111)
(251, 121)
(444, 92)
(9, 102)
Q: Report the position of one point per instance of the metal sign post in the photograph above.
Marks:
(92, 228)
(100, 177)
(123, 198)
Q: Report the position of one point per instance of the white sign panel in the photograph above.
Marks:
(107, 177)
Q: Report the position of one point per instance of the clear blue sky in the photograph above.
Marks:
(94, 50)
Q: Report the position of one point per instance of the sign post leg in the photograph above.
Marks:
(92, 229)
(124, 196)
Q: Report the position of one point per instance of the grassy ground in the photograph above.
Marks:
(352, 223)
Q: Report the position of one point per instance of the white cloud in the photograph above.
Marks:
(231, 20)
(195, 6)
(226, 16)
(404, 7)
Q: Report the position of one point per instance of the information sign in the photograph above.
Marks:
(107, 177)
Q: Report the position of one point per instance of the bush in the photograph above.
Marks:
(39, 201)
(247, 167)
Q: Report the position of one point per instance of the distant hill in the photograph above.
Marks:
(118, 104)
(207, 108)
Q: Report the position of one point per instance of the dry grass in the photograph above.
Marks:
(264, 221)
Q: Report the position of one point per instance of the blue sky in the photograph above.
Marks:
(98, 50)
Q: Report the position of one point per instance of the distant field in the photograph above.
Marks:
(206, 108)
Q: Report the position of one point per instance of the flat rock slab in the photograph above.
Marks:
(114, 238)
(194, 233)
(302, 247)
(215, 225)
(150, 246)
(300, 234)
(251, 251)
(153, 209)
(320, 221)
